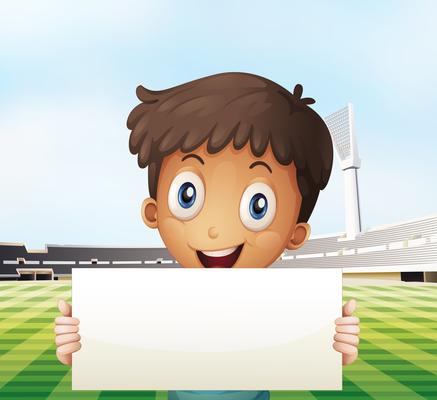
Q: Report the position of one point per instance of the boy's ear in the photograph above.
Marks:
(149, 211)
(300, 235)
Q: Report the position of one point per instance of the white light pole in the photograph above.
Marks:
(341, 125)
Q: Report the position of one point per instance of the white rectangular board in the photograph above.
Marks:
(206, 329)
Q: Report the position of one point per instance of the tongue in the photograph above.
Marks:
(219, 262)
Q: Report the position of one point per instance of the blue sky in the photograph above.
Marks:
(68, 73)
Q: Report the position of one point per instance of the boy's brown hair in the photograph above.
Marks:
(238, 107)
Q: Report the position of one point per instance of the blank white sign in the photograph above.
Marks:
(206, 329)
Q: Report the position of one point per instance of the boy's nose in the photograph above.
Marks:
(213, 232)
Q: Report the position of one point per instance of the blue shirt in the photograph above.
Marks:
(219, 395)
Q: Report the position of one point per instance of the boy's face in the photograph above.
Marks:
(229, 209)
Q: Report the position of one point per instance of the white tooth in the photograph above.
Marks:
(220, 253)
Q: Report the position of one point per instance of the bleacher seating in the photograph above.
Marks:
(412, 243)
(384, 235)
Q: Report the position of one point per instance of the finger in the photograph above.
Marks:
(66, 321)
(61, 329)
(349, 359)
(351, 329)
(64, 358)
(347, 321)
(346, 338)
(64, 308)
(345, 348)
(69, 348)
(349, 308)
(66, 338)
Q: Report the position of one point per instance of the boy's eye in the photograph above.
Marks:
(186, 195)
(257, 206)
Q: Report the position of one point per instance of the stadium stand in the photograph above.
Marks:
(16, 259)
(409, 248)
(423, 228)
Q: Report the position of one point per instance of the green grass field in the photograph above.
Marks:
(398, 350)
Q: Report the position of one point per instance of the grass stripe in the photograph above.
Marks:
(63, 391)
(131, 394)
(285, 395)
(400, 329)
(22, 385)
(350, 391)
(370, 379)
(420, 358)
(22, 317)
(24, 299)
(416, 385)
(404, 304)
(161, 395)
(33, 310)
(34, 345)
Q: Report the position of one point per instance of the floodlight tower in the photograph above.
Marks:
(341, 125)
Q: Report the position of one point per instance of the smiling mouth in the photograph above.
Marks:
(225, 258)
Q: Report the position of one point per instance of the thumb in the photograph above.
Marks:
(64, 308)
(349, 308)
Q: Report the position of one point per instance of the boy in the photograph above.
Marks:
(236, 163)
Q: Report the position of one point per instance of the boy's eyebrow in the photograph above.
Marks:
(254, 164)
(193, 156)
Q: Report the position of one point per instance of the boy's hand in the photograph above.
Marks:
(67, 337)
(347, 336)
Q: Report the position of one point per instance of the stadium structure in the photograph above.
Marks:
(404, 251)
